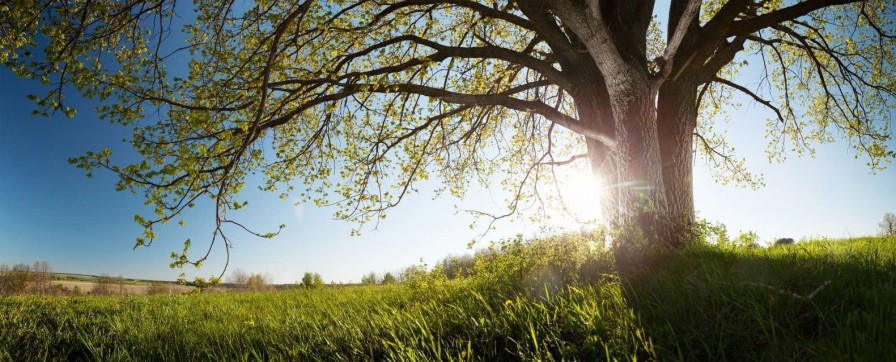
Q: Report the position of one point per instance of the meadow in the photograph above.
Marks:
(559, 298)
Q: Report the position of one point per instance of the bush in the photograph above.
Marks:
(784, 241)
(542, 265)
(14, 280)
(518, 266)
(158, 288)
(258, 283)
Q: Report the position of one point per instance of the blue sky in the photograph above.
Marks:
(51, 211)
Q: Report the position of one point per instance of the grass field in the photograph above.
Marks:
(551, 299)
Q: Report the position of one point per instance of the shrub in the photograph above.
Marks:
(257, 283)
(14, 280)
(784, 241)
(158, 288)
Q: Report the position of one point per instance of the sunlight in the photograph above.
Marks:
(580, 197)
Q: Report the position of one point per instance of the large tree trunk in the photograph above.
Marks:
(592, 104)
(642, 194)
(646, 179)
(637, 194)
(676, 119)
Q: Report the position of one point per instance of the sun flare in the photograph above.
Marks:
(580, 197)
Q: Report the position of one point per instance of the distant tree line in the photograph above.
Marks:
(255, 282)
(451, 267)
(108, 285)
(22, 278)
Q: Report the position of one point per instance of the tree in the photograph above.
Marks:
(888, 225)
(456, 266)
(370, 279)
(388, 278)
(307, 280)
(41, 277)
(120, 282)
(312, 281)
(258, 282)
(238, 277)
(103, 285)
(359, 101)
(14, 280)
(317, 281)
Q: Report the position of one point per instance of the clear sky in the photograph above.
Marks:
(50, 211)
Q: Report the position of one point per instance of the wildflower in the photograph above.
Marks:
(508, 303)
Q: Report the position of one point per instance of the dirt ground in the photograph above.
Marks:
(130, 289)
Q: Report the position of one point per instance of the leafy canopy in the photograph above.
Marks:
(356, 102)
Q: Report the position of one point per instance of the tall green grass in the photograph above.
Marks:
(356, 323)
(709, 303)
(550, 299)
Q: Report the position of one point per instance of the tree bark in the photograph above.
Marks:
(593, 107)
(641, 194)
(676, 120)
(638, 196)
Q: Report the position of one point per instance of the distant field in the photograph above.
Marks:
(132, 289)
(816, 301)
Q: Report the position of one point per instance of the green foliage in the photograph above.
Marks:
(388, 278)
(369, 279)
(312, 280)
(456, 266)
(784, 241)
(542, 265)
(354, 103)
(749, 239)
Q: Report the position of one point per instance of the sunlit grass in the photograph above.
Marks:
(824, 300)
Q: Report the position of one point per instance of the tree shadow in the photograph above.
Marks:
(809, 301)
